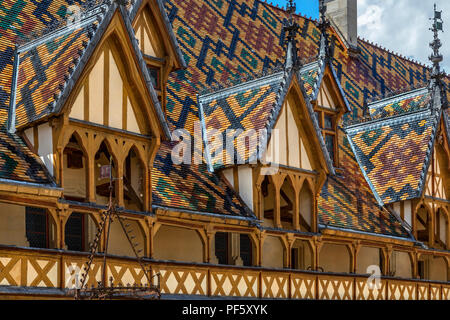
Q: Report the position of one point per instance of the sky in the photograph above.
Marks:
(401, 26)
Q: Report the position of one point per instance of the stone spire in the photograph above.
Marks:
(291, 28)
(436, 85)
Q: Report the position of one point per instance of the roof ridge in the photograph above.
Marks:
(392, 95)
(277, 7)
(86, 11)
(397, 54)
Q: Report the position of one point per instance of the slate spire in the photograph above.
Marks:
(325, 50)
(291, 28)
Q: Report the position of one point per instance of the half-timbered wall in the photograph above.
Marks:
(289, 142)
(150, 39)
(41, 139)
(437, 173)
(106, 98)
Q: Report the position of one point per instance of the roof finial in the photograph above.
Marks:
(436, 58)
(323, 25)
(291, 28)
(436, 44)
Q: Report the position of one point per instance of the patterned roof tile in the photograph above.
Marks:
(192, 187)
(393, 154)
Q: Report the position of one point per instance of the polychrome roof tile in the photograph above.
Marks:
(393, 153)
(192, 187)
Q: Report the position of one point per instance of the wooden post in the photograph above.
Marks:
(91, 177)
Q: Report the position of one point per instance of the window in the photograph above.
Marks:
(246, 250)
(221, 239)
(37, 227)
(327, 122)
(74, 232)
(154, 77)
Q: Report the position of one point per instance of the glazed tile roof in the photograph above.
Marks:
(18, 163)
(407, 102)
(222, 40)
(394, 153)
(43, 72)
(193, 187)
(242, 107)
(347, 202)
(309, 75)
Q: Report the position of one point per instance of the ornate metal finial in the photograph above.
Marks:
(291, 28)
(436, 58)
(326, 51)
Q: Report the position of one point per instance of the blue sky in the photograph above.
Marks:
(308, 8)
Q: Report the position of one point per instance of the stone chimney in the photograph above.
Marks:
(343, 15)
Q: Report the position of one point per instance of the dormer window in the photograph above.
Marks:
(327, 123)
(154, 76)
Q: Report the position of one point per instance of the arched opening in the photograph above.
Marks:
(79, 231)
(40, 228)
(178, 244)
(268, 204)
(306, 204)
(74, 170)
(232, 249)
(273, 253)
(441, 229)
(334, 258)
(287, 204)
(301, 255)
(423, 224)
(102, 181)
(118, 242)
(432, 268)
(368, 256)
(400, 265)
(133, 181)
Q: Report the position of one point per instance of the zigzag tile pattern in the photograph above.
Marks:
(18, 163)
(224, 39)
(309, 79)
(192, 187)
(393, 155)
(243, 110)
(43, 72)
(402, 106)
(221, 40)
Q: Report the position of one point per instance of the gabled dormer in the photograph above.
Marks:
(84, 98)
(157, 42)
(328, 99)
(324, 91)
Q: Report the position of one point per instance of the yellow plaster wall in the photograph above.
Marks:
(45, 136)
(401, 264)
(119, 244)
(334, 258)
(367, 256)
(115, 95)
(272, 253)
(96, 89)
(74, 180)
(306, 204)
(437, 269)
(12, 225)
(147, 33)
(179, 244)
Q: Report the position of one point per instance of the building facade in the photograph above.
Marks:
(256, 152)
